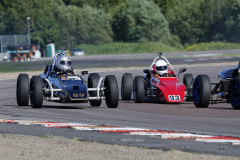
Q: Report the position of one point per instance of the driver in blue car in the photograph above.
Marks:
(63, 65)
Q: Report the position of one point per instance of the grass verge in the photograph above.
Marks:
(213, 46)
(126, 48)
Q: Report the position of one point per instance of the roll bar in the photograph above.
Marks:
(160, 56)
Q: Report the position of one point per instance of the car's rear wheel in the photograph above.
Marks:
(202, 91)
(93, 80)
(138, 89)
(187, 79)
(22, 90)
(36, 92)
(127, 86)
(234, 93)
(111, 91)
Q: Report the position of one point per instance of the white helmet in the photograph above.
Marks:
(63, 63)
(161, 67)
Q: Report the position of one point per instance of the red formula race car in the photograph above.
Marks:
(159, 82)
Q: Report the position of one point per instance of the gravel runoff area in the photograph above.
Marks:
(15, 147)
(37, 148)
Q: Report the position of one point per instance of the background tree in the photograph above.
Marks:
(140, 20)
(2, 24)
(224, 20)
(94, 26)
(83, 25)
(188, 20)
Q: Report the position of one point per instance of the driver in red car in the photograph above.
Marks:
(160, 69)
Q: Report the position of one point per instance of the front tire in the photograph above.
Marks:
(22, 90)
(202, 91)
(111, 91)
(138, 89)
(36, 92)
(93, 80)
(234, 93)
(127, 86)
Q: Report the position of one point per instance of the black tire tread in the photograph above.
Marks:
(139, 89)
(127, 86)
(93, 79)
(36, 92)
(112, 92)
(232, 82)
(205, 91)
(22, 90)
(187, 79)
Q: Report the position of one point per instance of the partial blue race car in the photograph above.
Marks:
(227, 90)
(66, 88)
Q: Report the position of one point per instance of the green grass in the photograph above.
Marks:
(21, 66)
(126, 48)
(213, 46)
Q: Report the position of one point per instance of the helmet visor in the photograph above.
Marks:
(161, 68)
(66, 63)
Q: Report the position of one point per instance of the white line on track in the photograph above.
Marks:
(130, 130)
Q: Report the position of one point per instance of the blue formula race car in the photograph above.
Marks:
(60, 84)
(227, 90)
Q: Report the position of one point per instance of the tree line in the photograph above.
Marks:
(68, 23)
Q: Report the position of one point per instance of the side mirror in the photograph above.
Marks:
(182, 70)
(147, 71)
(84, 72)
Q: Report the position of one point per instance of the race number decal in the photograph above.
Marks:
(76, 78)
(174, 98)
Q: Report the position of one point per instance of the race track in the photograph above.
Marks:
(218, 119)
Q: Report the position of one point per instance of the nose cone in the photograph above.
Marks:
(171, 87)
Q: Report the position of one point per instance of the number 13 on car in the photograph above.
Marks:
(174, 98)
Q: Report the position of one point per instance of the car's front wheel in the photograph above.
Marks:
(202, 91)
(36, 92)
(234, 93)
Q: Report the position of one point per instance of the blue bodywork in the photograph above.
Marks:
(73, 86)
(228, 73)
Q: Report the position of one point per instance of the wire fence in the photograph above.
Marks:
(13, 40)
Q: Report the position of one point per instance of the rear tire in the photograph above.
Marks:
(22, 90)
(36, 92)
(93, 80)
(234, 93)
(127, 86)
(111, 91)
(138, 89)
(187, 79)
(202, 91)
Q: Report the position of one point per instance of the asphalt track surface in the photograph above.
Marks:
(218, 119)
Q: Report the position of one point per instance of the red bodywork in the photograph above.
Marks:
(168, 88)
